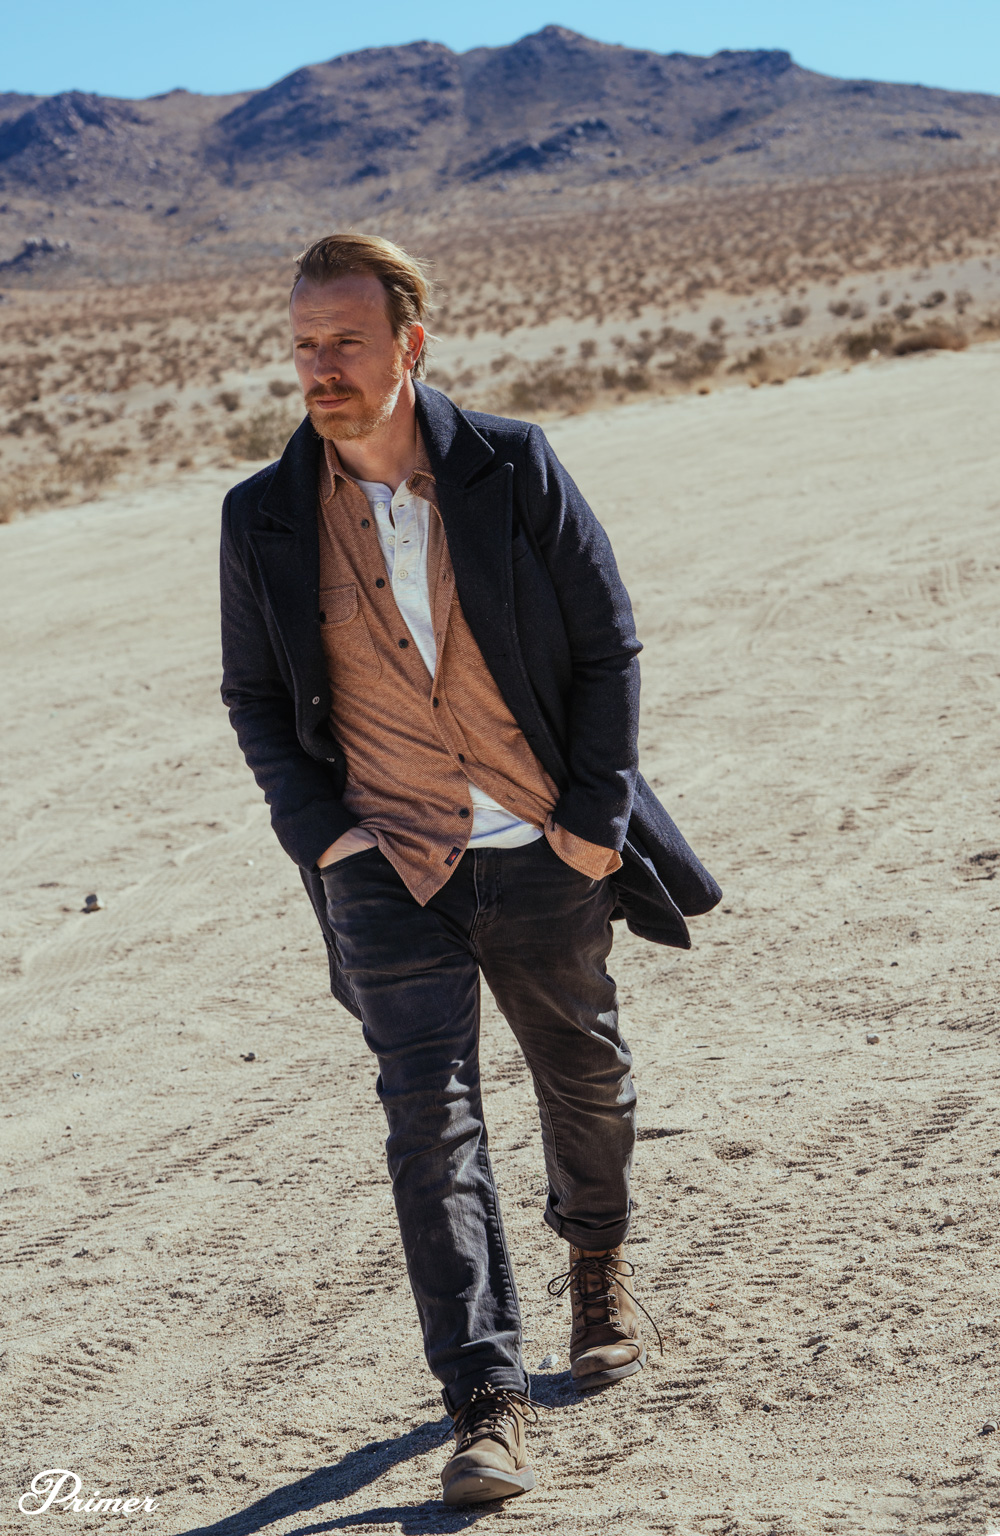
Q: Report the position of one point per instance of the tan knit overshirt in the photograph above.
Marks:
(413, 742)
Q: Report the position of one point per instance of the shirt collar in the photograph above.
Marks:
(422, 482)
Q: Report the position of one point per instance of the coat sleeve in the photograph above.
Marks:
(601, 745)
(306, 810)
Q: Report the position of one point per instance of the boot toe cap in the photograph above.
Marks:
(606, 1357)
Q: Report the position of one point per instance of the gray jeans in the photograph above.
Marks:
(541, 934)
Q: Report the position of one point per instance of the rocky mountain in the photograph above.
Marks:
(420, 130)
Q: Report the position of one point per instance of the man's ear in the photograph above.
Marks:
(415, 338)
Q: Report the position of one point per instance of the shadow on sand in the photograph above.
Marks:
(329, 1485)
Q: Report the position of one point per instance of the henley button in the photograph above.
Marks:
(403, 644)
(463, 811)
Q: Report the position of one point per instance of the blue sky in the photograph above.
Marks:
(125, 48)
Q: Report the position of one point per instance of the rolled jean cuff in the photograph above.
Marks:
(590, 1239)
(458, 1393)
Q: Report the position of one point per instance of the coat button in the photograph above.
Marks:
(316, 699)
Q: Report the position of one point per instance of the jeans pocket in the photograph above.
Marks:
(352, 858)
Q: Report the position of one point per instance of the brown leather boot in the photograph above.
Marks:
(490, 1459)
(605, 1343)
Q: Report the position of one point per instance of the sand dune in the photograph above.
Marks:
(204, 1299)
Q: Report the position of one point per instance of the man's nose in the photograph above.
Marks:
(326, 365)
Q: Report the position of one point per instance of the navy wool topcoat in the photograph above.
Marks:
(541, 592)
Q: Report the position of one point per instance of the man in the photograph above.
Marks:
(430, 663)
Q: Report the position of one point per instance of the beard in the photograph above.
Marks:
(367, 413)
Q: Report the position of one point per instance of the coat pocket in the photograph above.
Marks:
(347, 640)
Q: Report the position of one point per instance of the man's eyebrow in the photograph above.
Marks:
(343, 330)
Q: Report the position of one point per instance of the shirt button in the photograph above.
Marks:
(435, 702)
(403, 644)
(379, 581)
(461, 757)
(365, 523)
(463, 811)
(316, 699)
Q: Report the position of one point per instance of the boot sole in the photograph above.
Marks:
(484, 1487)
(605, 1378)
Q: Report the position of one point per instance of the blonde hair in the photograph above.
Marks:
(407, 289)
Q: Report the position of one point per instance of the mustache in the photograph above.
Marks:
(332, 394)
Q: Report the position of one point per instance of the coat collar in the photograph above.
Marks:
(455, 450)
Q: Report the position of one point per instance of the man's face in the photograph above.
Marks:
(350, 364)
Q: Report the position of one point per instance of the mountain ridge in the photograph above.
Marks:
(389, 135)
(322, 123)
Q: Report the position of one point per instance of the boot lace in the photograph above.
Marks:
(491, 1414)
(593, 1277)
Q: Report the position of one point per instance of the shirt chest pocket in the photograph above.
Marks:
(347, 642)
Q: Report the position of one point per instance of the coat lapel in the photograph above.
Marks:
(475, 498)
(285, 541)
(476, 501)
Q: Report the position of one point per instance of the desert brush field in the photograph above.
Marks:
(615, 296)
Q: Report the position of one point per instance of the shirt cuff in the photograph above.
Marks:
(586, 858)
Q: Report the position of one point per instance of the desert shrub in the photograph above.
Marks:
(636, 380)
(932, 338)
(279, 388)
(903, 312)
(550, 389)
(699, 363)
(934, 300)
(263, 435)
(859, 344)
(228, 399)
(840, 307)
(77, 474)
(753, 359)
(794, 315)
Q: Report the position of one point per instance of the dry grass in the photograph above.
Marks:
(129, 383)
(679, 249)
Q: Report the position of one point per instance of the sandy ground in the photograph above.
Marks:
(204, 1301)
